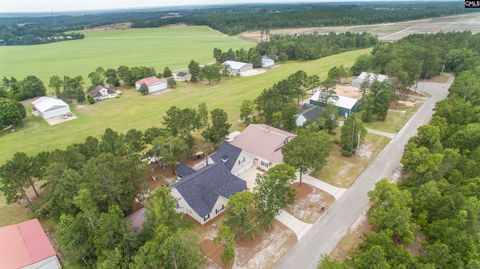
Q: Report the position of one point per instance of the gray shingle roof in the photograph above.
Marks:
(202, 189)
(311, 112)
(226, 154)
(184, 170)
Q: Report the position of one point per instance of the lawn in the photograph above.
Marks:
(135, 111)
(342, 171)
(395, 120)
(157, 47)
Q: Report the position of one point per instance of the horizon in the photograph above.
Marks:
(89, 6)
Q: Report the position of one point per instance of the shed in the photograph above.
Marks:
(369, 78)
(182, 76)
(26, 245)
(154, 84)
(236, 68)
(50, 107)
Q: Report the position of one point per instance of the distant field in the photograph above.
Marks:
(135, 111)
(157, 47)
(391, 31)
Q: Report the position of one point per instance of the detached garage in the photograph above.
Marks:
(50, 107)
(237, 68)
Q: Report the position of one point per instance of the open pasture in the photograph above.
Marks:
(133, 110)
(171, 46)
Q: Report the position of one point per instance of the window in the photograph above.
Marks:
(206, 217)
(241, 161)
(264, 163)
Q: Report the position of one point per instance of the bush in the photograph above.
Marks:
(90, 100)
(171, 83)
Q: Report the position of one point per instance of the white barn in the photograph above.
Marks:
(154, 84)
(50, 107)
(236, 68)
(267, 62)
(370, 78)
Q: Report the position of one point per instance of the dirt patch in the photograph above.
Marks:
(347, 90)
(213, 253)
(159, 176)
(407, 103)
(266, 250)
(438, 79)
(113, 26)
(364, 151)
(310, 203)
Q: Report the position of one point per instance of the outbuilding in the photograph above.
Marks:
(369, 78)
(267, 62)
(346, 105)
(308, 112)
(237, 68)
(26, 245)
(153, 84)
(182, 76)
(50, 107)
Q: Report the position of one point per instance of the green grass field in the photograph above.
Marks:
(135, 111)
(157, 47)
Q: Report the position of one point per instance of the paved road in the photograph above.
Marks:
(322, 238)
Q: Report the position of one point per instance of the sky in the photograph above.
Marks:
(24, 6)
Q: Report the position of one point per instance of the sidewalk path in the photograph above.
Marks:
(299, 227)
(334, 191)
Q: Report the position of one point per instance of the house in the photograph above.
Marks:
(154, 84)
(308, 112)
(50, 107)
(237, 68)
(204, 194)
(346, 105)
(262, 145)
(101, 92)
(369, 78)
(267, 62)
(182, 76)
(26, 245)
(184, 170)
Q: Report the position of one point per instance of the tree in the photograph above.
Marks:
(181, 122)
(90, 100)
(161, 207)
(56, 83)
(202, 114)
(10, 112)
(80, 95)
(309, 150)
(143, 89)
(390, 209)
(167, 73)
(149, 256)
(246, 110)
(218, 130)
(327, 91)
(125, 75)
(171, 83)
(273, 192)
(242, 213)
(226, 237)
(352, 135)
(72, 239)
(111, 77)
(97, 77)
(172, 150)
(218, 55)
(330, 114)
(194, 69)
(16, 177)
(212, 73)
(181, 250)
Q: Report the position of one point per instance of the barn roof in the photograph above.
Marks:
(47, 103)
(24, 244)
(235, 65)
(150, 81)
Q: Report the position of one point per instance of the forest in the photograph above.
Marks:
(231, 19)
(430, 218)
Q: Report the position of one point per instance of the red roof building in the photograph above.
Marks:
(25, 245)
(154, 84)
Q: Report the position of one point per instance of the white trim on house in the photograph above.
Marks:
(184, 208)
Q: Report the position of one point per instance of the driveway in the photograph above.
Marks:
(299, 227)
(317, 183)
(322, 238)
(250, 175)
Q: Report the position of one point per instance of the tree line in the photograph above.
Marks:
(435, 207)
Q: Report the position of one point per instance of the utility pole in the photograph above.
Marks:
(443, 68)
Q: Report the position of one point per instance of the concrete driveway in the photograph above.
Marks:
(334, 191)
(250, 176)
(322, 238)
(299, 227)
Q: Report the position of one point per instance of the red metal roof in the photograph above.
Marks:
(24, 244)
(150, 81)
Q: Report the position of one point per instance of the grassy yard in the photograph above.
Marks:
(342, 171)
(135, 111)
(157, 47)
(395, 120)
